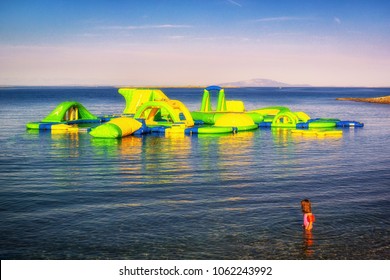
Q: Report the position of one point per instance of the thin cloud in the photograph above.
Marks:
(337, 20)
(281, 19)
(143, 27)
(234, 3)
(178, 37)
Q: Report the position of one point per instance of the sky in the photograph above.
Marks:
(194, 42)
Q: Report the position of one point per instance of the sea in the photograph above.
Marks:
(200, 197)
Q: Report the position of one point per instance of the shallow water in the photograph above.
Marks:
(69, 196)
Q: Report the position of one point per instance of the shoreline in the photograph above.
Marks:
(380, 100)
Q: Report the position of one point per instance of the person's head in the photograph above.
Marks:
(306, 206)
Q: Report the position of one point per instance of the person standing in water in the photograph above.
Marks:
(308, 216)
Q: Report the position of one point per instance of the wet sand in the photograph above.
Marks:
(382, 100)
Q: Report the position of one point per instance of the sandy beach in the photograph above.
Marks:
(382, 99)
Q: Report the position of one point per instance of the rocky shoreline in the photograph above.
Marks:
(381, 100)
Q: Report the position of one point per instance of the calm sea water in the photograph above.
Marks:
(68, 196)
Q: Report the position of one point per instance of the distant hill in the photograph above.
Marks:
(259, 83)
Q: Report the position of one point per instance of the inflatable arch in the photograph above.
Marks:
(285, 119)
(170, 111)
(69, 111)
(206, 105)
(223, 105)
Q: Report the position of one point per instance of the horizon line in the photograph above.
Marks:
(186, 86)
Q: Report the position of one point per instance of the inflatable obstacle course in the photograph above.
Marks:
(151, 111)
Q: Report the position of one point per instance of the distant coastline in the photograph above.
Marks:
(381, 100)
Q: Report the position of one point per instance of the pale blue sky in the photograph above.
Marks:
(171, 43)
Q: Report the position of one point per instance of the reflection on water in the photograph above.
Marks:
(130, 146)
(308, 243)
(171, 196)
(281, 136)
(68, 142)
(229, 155)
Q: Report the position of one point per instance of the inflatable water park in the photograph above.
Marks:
(149, 111)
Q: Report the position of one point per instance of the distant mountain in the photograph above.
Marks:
(259, 83)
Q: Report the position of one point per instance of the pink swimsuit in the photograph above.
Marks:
(308, 218)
